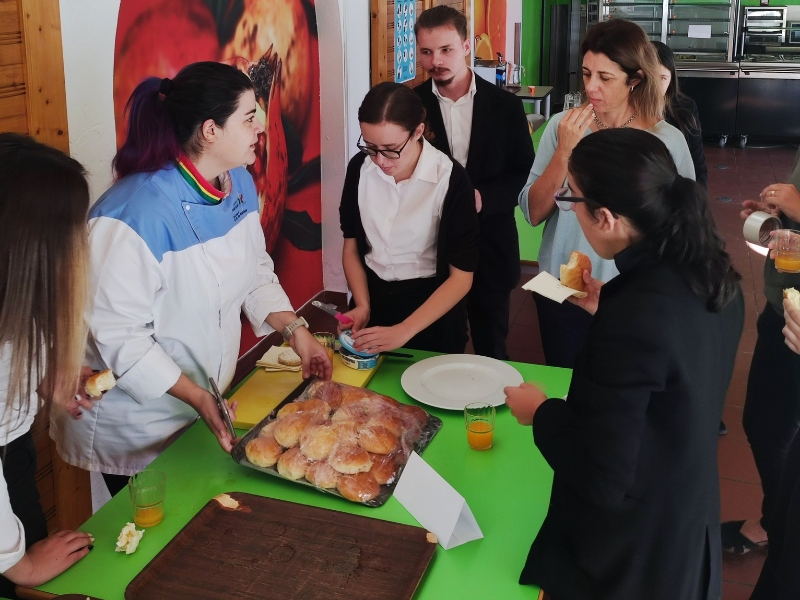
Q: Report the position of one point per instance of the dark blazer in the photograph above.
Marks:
(634, 511)
(499, 161)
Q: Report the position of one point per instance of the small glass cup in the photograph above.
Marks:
(572, 100)
(148, 490)
(787, 250)
(531, 89)
(328, 341)
(479, 421)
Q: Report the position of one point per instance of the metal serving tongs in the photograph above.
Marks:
(223, 408)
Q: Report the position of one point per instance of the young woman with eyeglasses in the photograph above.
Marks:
(410, 231)
(635, 510)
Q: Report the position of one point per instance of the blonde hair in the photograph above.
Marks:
(625, 43)
(44, 199)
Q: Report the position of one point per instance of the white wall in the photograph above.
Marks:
(88, 30)
(513, 15)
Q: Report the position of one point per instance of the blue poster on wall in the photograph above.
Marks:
(405, 61)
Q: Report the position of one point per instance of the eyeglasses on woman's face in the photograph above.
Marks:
(390, 154)
(565, 200)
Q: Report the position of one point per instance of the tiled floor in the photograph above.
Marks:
(734, 175)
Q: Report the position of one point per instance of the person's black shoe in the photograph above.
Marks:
(734, 541)
(722, 429)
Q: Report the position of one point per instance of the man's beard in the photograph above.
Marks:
(442, 82)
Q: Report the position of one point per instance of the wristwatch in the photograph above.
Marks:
(289, 329)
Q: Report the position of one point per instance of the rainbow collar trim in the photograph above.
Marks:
(197, 182)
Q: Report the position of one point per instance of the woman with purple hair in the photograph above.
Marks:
(177, 253)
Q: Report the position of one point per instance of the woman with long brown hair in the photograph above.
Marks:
(44, 198)
(623, 90)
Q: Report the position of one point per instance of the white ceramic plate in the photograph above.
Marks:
(452, 381)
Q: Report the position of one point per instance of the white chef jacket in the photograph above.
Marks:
(13, 424)
(171, 274)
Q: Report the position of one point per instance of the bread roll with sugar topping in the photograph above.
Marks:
(317, 442)
(293, 464)
(349, 459)
(361, 487)
(378, 440)
(263, 451)
(571, 274)
(289, 429)
(322, 475)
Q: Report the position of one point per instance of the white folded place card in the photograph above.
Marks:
(550, 287)
(435, 504)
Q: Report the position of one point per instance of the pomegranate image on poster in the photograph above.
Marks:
(275, 43)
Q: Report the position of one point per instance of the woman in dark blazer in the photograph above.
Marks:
(634, 510)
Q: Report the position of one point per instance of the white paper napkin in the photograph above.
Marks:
(550, 287)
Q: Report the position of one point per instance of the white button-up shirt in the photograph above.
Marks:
(401, 220)
(457, 117)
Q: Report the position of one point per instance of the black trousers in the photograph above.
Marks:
(391, 302)
(780, 576)
(563, 328)
(115, 483)
(488, 309)
(772, 405)
(19, 470)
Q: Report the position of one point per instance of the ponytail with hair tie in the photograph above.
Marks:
(165, 87)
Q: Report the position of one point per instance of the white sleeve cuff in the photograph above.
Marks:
(151, 376)
(268, 298)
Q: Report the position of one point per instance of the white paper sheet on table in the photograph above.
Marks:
(550, 287)
(700, 32)
(435, 504)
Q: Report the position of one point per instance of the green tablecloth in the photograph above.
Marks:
(507, 488)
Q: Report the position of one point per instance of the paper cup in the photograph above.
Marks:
(758, 226)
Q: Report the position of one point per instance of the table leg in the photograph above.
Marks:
(537, 107)
(547, 107)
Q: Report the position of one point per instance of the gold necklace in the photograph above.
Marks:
(602, 125)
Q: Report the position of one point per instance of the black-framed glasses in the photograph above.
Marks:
(564, 199)
(391, 154)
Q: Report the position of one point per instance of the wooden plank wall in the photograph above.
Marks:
(33, 101)
(382, 36)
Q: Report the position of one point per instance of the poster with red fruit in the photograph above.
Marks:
(275, 42)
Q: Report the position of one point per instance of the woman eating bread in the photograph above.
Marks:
(177, 254)
(622, 82)
(635, 507)
(43, 202)
(410, 231)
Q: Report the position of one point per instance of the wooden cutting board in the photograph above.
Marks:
(270, 548)
(261, 391)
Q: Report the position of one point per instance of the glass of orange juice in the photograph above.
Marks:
(787, 250)
(148, 490)
(479, 420)
(327, 341)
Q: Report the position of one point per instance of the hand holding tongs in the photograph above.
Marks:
(223, 408)
(333, 311)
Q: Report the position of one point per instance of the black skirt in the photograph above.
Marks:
(391, 302)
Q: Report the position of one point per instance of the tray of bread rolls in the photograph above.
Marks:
(340, 439)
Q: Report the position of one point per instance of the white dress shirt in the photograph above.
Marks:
(13, 424)
(457, 117)
(401, 220)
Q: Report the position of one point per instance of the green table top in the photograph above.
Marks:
(507, 488)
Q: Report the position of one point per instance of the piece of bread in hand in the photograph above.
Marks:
(99, 383)
(572, 272)
(793, 296)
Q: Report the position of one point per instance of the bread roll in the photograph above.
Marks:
(349, 459)
(793, 296)
(322, 475)
(361, 487)
(318, 441)
(293, 464)
(99, 383)
(329, 391)
(378, 440)
(572, 272)
(263, 451)
(289, 429)
(383, 468)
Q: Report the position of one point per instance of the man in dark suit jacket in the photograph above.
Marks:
(485, 129)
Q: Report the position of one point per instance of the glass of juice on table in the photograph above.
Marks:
(479, 420)
(327, 341)
(787, 250)
(148, 490)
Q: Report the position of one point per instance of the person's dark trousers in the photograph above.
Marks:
(488, 312)
(772, 405)
(115, 483)
(780, 575)
(563, 328)
(19, 470)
